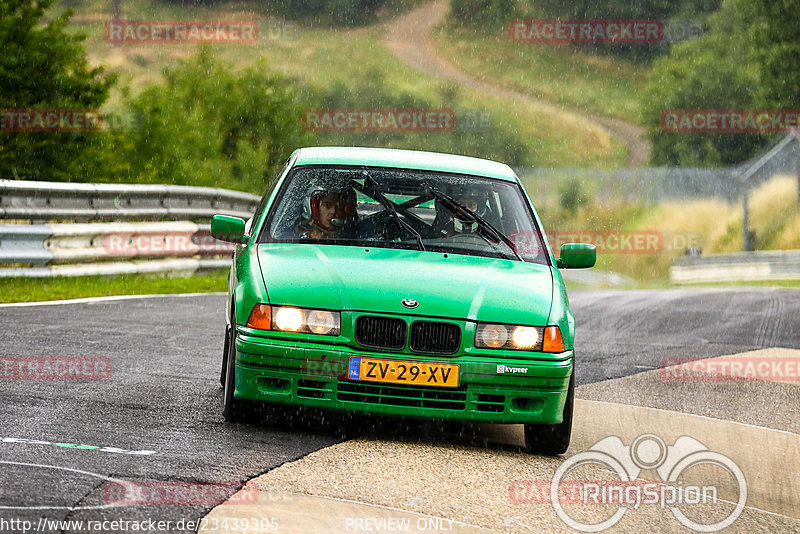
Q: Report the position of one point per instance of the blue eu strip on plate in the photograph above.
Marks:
(355, 366)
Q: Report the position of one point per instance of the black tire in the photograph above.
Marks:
(552, 440)
(234, 410)
(225, 357)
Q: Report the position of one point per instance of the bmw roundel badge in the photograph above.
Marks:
(409, 303)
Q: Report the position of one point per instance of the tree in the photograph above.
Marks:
(705, 74)
(475, 132)
(314, 12)
(722, 70)
(666, 11)
(43, 67)
(207, 125)
(490, 15)
(571, 196)
(776, 36)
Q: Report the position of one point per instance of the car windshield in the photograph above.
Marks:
(401, 208)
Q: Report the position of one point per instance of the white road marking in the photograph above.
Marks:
(83, 447)
(89, 300)
(71, 470)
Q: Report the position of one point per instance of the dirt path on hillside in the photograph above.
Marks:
(410, 39)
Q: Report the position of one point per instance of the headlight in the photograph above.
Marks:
(519, 337)
(525, 337)
(493, 336)
(291, 319)
(322, 322)
(288, 319)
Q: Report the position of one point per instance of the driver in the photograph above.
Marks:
(328, 213)
(449, 223)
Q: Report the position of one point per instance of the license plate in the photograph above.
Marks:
(403, 372)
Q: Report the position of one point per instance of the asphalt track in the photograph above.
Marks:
(163, 393)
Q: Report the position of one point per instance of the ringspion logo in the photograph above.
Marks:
(617, 486)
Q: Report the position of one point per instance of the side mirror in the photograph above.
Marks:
(227, 228)
(577, 256)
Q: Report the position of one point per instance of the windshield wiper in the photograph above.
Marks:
(388, 205)
(451, 204)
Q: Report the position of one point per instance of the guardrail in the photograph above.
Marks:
(50, 201)
(174, 244)
(756, 266)
(45, 250)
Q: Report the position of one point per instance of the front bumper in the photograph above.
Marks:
(315, 375)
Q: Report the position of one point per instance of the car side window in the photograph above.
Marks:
(265, 197)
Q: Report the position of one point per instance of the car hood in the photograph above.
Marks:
(378, 279)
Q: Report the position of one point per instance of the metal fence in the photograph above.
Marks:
(153, 228)
(655, 184)
(81, 202)
(740, 267)
(56, 241)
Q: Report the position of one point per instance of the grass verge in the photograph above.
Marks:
(565, 75)
(320, 58)
(711, 225)
(38, 289)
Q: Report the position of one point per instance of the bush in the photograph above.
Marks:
(718, 71)
(210, 126)
(327, 12)
(571, 196)
(43, 67)
(492, 15)
(475, 134)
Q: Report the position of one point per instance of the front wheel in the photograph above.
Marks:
(224, 370)
(552, 439)
(233, 409)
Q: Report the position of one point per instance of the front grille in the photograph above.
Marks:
(381, 332)
(314, 389)
(436, 337)
(490, 403)
(402, 396)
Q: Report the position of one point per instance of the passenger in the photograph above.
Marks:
(451, 222)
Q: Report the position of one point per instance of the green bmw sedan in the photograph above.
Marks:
(401, 283)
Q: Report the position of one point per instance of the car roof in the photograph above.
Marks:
(404, 159)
